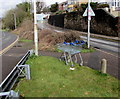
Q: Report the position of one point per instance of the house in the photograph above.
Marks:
(114, 4)
(63, 6)
(71, 3)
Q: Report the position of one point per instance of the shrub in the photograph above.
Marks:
(54, 7)
(92, 4)
(103, 6)
(59, 12)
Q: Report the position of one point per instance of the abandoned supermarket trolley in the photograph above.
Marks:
(71, 50)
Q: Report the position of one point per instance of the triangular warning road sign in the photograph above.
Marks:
(90, 12)
(86, 12)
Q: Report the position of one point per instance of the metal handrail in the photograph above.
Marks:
(7, 83)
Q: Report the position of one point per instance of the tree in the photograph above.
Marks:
(25, 6)
(46, 10)
(40, 6)
(21, 11)
(8, 20)
(54, 7)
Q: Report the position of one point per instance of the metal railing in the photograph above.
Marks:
(19, 70)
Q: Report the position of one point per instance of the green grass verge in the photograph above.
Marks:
(4, 30)
(52, 78)
(88, 50)
(82, 51)
(24, 40)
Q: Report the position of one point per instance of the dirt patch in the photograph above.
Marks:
(48, 38)
(25, 30)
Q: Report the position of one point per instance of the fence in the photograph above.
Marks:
(20, 70)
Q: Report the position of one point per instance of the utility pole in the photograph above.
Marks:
(15, 20)
(89, 18)
(35, 30)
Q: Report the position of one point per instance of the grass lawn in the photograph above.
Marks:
(52, 78)
(25, 40)
(88, 50)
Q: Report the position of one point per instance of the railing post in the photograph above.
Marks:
(27, 71)
(0, 91)
(31, 52)
(14, 95)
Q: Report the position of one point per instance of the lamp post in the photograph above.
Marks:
(14, 15)
(35, 30)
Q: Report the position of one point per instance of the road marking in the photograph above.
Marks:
(107, 53)
(8, 47)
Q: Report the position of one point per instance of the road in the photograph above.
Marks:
(108, 46)
(6, 42)
(6, 39)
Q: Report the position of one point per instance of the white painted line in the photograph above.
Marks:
(107, 53)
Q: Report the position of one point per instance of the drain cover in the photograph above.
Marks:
(17, 46)
(97, 47)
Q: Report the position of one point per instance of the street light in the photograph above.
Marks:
(14, 15)
(35, 30)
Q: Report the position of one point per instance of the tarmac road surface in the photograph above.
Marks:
(108, 46)
(7, 40)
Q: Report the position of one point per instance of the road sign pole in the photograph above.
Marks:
(88, 38)
(35, 30)
(88, 12)
(89, 18)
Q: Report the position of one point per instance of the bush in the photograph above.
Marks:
(59, 12)
(8, 20)
(92, 4)
(103, 6)
(54, 7)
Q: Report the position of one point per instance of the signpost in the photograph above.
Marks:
(89, 12)
(35, 30)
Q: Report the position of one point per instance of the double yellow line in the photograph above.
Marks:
(8, 47)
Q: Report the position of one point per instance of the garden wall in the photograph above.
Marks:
(57, 20)
(103, 23)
